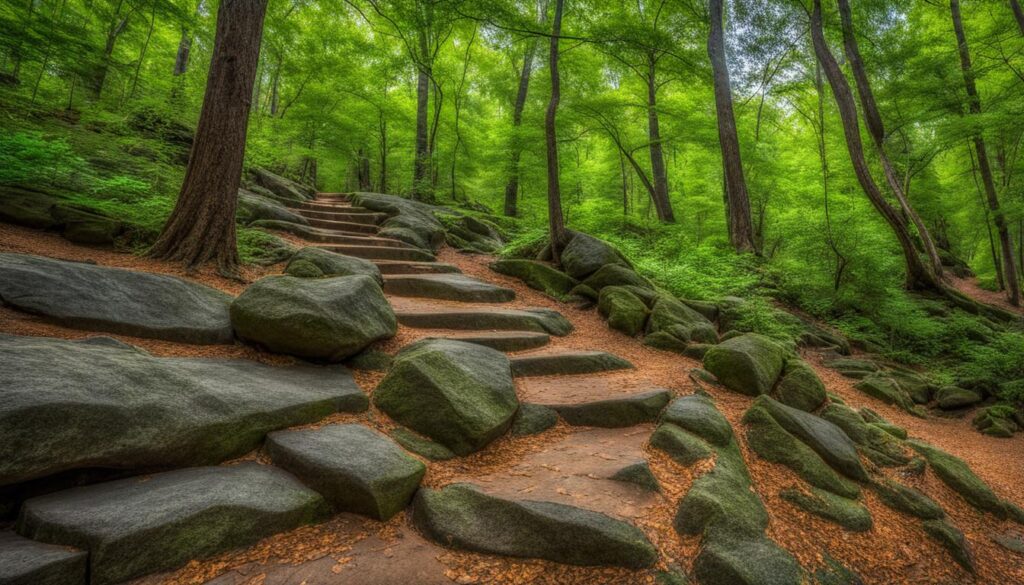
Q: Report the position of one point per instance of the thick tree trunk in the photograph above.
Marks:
(876, 128)
(662, 204)
(741, 229)
(556, 221)
(918, 275)
(974, 105)
(421, 165)
(1018, 13)
(202, 226)
(512, 186)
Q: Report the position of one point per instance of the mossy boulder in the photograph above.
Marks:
(952, 539)
(537, 275)
(585, 255)
(624, 311)
(313, 262)
(616, 275)
(684, 448)
(421, 446)
(953, 398)
(327, 319)
(749, 561)
(532, 419)
(625, 411)
(800, 386)
(27, 207)
(253, 207)
(957, 475)
(83, 225)
(749, 364)
(827, 439)
(458, 394)
(697, 414)
(849, 514)
(906, 499)
(721, 502)
(639, 474)
(671, 316)
(666, 342)
(869, 436)
(887, 390)
(997, 421)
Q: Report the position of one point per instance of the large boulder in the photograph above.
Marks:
(412, 217)
(312, 262)
(459, 394)
(97, 298)
(615, 275)
(355, 468)
(624, 310)
(585, 255)
(253, 207)
(749, 364)
(83, 225)
(536, 275)
(27, 207)
(697, 414)
(672, 317)
(326, 319)
(800, 386)
(27, 562)
(148, 524)
(282, 188)
(120, 408)
(461, 516)
(953, 397)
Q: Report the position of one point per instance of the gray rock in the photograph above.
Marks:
(458, 394)
(26, 562)
(253, 207)
(537, 275)
(86, 296)
(615, 275)
(311, 262)
(355, 468)
(323, 319)
(749, 364)
(449, 287)
(532, 419)
(83, 225)
(746, 561)
(282, 188)
(143, 525)
(683, 447)
(481, 319)
(625, 411)
(697, 414)
(460, 516)
(421, 446)
(671, 316)
(564, 363)
(952, 397)
(413, 216)
(120, 408)
(585, 255)
(885, 389)
(27, 207)
(907, 499)
(638, 473)
(952, 539)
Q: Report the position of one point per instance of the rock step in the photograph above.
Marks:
(27, 562)
(333, 237)
(450, 287)
(332, 196)
(335, 206)
(380, 253)
(343, 226)
(426, 316)
(339, 214)
(136, 526)
(596, 401)
(502, 340)
(564, 363)
(415, 268)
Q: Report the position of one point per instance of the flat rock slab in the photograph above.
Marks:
(400, 267)
(142, 525)
(502, 340)
(342, 226)
(449, 287)
(27, 562)
(86, 296)
(418, 314)
(563, 363)
(121, 408)
(461, 516)
(355, 468)
(380, 253)
(624, 411)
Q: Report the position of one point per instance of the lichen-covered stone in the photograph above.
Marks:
(638, 473)
(906, 499)
(537, 275)
(952, 539)
(615, 275)
(683, 447)
(624, 311)
(671, 316)
(866, 435)
(849, 514)
(697, 414)
(311, 262)
(421, 446)
(957, 475)
(887, 390)
(952, 397)
(800, 386)
(625, 411)
(749, 364)
(585, 255)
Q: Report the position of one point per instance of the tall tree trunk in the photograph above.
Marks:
(202, 226)
(512, 186)
(185, 45)
(662, 204)
(556, 221)
(421, 166)
(142, 54)
(974, 105)
(99, 74)
(918, 275)
(1018, 14)
(741, 229)
(275, 87)
(382, 123)
(876, 129)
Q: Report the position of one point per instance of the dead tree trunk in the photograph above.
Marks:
(512, 186)
(741, 229)
(918, 275)
(876, 129)
(556, 222)
(202, 226)
(662, 204)
(974, 107)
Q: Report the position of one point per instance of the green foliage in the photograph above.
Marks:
(29, 158)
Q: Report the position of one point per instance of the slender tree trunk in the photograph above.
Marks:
(1005, 241)
(421, 166)
(185, 45)
(662, 204)
(741, 229)
(997, 262)
(556, 221)
(1018, 14)
(142, 54)
(275, 88)
(99, 74)
(202, 226)
(876, 128)
(918, 275)
(383, 124)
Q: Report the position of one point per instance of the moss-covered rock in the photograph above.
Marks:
(671, 316)
(666, 342)
(585, 255)
(887, 390)
(953, 397)
(697, 414)
(638, 473)
(997, 421)
(868, 436)
(748, 561)
(957, 475)
(800, 386)
(625, 411)
(683, 447)
(311, 262)
(615, 275)
(537, 275)
(532, 419)
(721, 502)
(850, 514)
(906, 499)
(421, 446)
(827, 439)
(749, 364)
(952, 539)
(624, 311)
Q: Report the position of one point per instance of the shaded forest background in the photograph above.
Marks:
(99, 97)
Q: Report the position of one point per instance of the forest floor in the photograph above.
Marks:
(971, 288)
(565, 463)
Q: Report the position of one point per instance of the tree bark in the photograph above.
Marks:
(185, 46)
(974, 107)
(202, 226)
(662, 204)
(421, 165)
(1018, 14)
(556, 221)
(876, 128)
(741, 229)
(99, 74)
(918, 276)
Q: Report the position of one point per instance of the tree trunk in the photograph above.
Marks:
(275, 88)
(142, 54)
(184, 49)
(876, 129)
(662, 204)
(556, 222)
(383, 125)
(202, 226)
(512, 186)
(1018, 13)
(99, 75)
(421, 166)
(741, 229)
(974, 105)
(918, 275)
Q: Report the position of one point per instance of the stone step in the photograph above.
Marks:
(27, 562)
(380, 253)
(502, 340)
(332, 196)
(332, 237)
(449, 287)
(609, 401)
(566, 363)
(421, 315)
(341, 214)
(343, 226)
(415, 268)
(143, 525)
